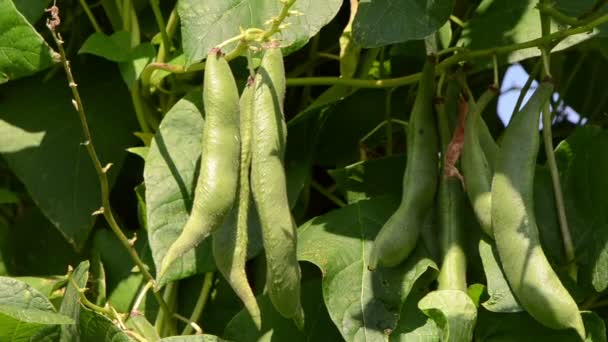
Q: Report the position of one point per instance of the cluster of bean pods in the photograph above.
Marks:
(243, 147)
(499, 184)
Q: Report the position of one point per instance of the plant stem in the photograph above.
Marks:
(106, 208)
(277, 21)
(548, 142)
(158, 16)
(464, 55)
(337, 201)
(200, 303)
(91, 17)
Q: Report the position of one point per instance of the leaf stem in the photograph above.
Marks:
(200, 303)
(463, 55)
(87, 11)
(101, 171)
(158, 16)
(551, 162)
(337, 201)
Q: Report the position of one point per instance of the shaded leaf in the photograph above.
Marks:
(361, 303)
(583, 164)
(58, 172)
(8, 197)
(32, 10)
(22, 50)
(318, 326)
(521, 327)
(498, 23)
(17, 238)
(205, 25)
(379, 23)
(372, 178)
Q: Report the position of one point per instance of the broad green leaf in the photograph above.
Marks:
(70, 305)
(501, 298)
(380, 23)
(170, 176)
(362, 304)
(200, 338)
(17, 238)
(22, 50)
(318, 326)
(24, 311)
(14, 138)
(32, 10)
(44, 285)
(372, 178)
(352, 119)
(58, 172)
(497, 23)
(220, 308)
(414, 325)
(521, 327)
(142, 326)
(583, 165)
(207, 24)
(96, 327)
(23, 303)
(453, 311)
(8, 197)
(116, 48)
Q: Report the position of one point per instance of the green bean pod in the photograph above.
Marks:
(269, 187)
(217, 182)
(532, 280)
(478, 158)
(230, 241)
(399, 235)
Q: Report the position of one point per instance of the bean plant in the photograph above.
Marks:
(303, 170)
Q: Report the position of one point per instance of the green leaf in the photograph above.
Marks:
(501, 298)
(200, 338)
(361, 303)
(57, 170)
(8, 197)
(380, 23)
(371, 178)
(22, 50)
(14, 138)
(207, 24)
(44, 285)
(413, 324)
(32, 10)
(23, 303)
(17, 238)
(24, 311)
(521, 327)
(318, 326)
(497, 23)
(453, 311)
(349, 121)
(70, 306)
(95, 327)
(142, 326)
(583, 165)
(170, 176)
(116, 48)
